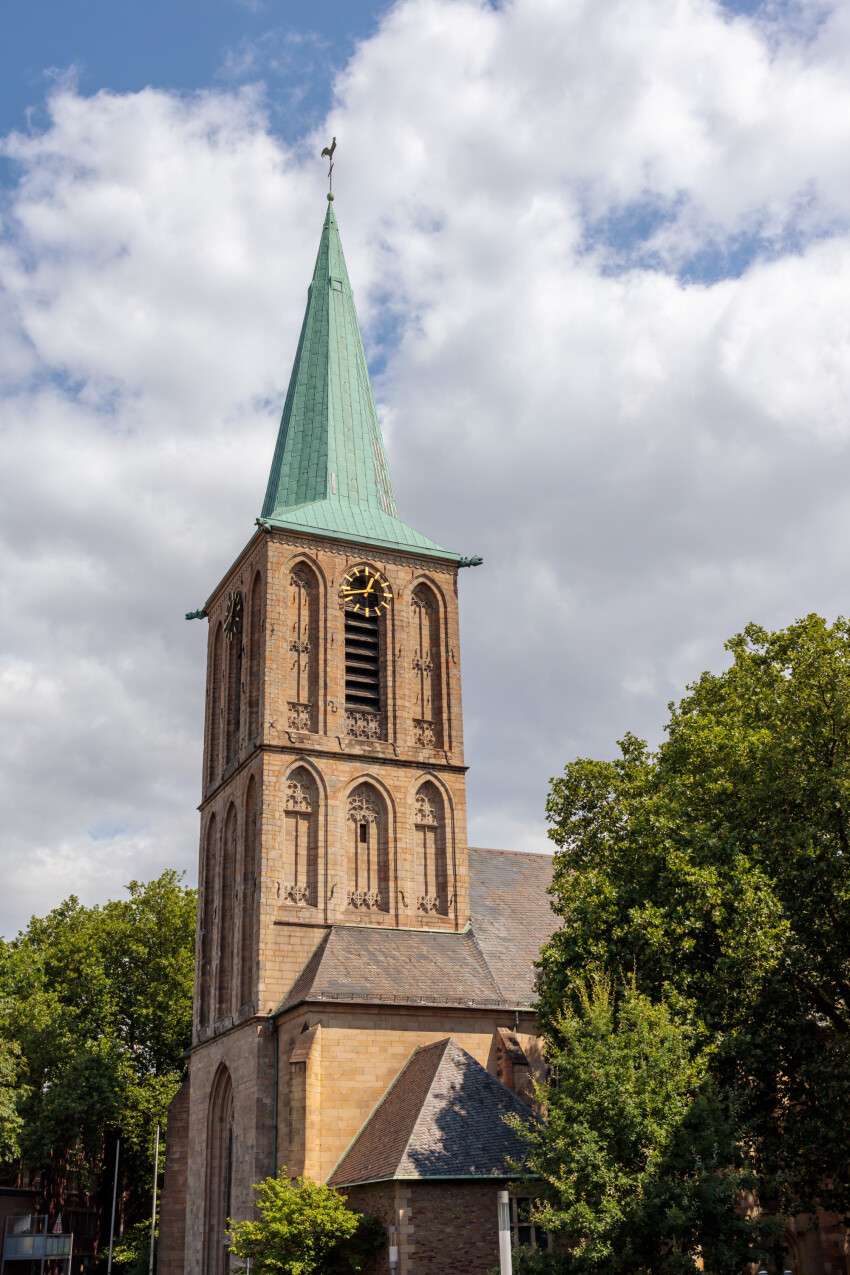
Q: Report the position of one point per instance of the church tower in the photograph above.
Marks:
(334, 922)
(333, 763)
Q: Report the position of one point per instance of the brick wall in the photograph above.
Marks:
(445, 1228)
(270, 748)
(172, 1209)
(363, 1050)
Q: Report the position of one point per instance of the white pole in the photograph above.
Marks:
(153, 1213)
(503, 1204)
(114, 1198)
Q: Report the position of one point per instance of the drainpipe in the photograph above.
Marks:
(273, 1029)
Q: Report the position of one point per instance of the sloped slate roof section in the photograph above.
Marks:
(396, 966)
(443, 1117)
(511, 916)
(378, 1149)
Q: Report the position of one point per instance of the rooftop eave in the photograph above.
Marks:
(314, 519)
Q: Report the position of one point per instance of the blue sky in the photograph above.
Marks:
(126, 45)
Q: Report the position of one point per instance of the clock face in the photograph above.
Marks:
(233, 618)
(366, 591)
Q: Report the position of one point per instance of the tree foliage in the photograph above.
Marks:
(10, 1091)
(639, 1158)
(100, 1012)
(304, 1228)
(717, 868)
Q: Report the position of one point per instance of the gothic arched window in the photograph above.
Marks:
(219, 1192)
(301, 840)
(303, 681)
(255, 654)
(214, 737)
(429, 821)
(367, 859)
(364, 692)
(249, 902)
(427, 683)
(233, 634)
(207, 923)
(224, 995)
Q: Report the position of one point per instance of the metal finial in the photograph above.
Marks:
(329, 151)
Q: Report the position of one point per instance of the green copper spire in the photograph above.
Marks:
(329, 474)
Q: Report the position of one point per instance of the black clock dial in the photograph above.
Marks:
(366, 591)
(233, 617)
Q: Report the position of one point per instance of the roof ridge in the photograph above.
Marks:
(420, 1049)
(315, 957)
(445, 1044)
(480, 949)
(532, 854)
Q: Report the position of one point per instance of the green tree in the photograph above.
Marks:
(305, 1228)
(639, 1164)
(10, 1091)
(131, 1253)
(718, 868)
(100, 1008)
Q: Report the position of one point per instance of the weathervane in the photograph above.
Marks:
(329, 151)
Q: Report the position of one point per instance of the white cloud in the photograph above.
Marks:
(524, 192)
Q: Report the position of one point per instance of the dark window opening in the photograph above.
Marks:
(525, 1230)
(364, 833)
(362, 662)
(229, 1172)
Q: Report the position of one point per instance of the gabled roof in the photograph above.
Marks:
(442, 1117)
(329, 474)
(367, 963)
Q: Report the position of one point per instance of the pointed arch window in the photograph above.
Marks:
(214, 736)
(303, 686)
(219, 1175)
(249, 895)
(368, 869)
(205, 973)
(364, 692)
(224, 992)
(233, 627)
(255, 653)
(431, 865)
(301, 840)
(426, 669)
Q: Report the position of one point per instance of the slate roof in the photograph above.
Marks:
(363, 963)
(491, 964)
(442, 1117)
(511, 915)
(329, 473)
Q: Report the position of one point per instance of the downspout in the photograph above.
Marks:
(273, 1029)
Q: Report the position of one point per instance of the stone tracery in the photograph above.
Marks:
(425, 666)
(368, 851)
(301, 840)
(431, 865)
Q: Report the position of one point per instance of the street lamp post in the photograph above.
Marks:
(503, 1205)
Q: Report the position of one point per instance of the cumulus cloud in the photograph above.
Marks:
(601, 255)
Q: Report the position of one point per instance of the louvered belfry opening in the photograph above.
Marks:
(362, 662)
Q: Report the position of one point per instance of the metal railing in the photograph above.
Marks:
(27, 1238)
